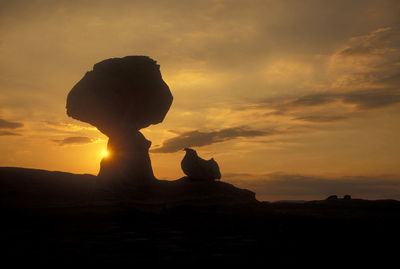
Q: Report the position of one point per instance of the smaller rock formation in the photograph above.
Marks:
(347, 197)
(332, 198)
(198, 169)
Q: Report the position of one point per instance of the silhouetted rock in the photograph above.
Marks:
(188, 192)
(347, 197)
(332, 198)
(199, 169)
(120, 96)
(128, 158)
(33, 188)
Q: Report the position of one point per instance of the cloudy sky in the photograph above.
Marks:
(294, 99)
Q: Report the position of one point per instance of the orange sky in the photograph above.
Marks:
(294, 99)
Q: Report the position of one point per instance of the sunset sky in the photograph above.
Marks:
(294, 99)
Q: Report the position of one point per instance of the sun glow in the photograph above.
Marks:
(105, 153)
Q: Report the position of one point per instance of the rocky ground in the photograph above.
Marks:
(57, 219)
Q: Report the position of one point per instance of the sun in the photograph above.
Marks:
(105, 153)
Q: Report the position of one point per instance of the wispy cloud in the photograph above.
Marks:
(322, 118)
(67, 127)
(376, 42)
(8, 133)
(365, 76)
(361, 99)
(329, 107)
(74, 140)
(202, 138)
(5, 124)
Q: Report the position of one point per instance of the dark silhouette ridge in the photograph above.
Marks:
(120, 96)
(198, 169)
(26, 188)
(61, 218)
(334, 198)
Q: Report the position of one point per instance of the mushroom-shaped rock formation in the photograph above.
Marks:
(199, 169)
(120, 96)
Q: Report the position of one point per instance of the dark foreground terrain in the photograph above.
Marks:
(60, 219)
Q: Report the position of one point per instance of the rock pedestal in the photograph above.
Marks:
(128, 159)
